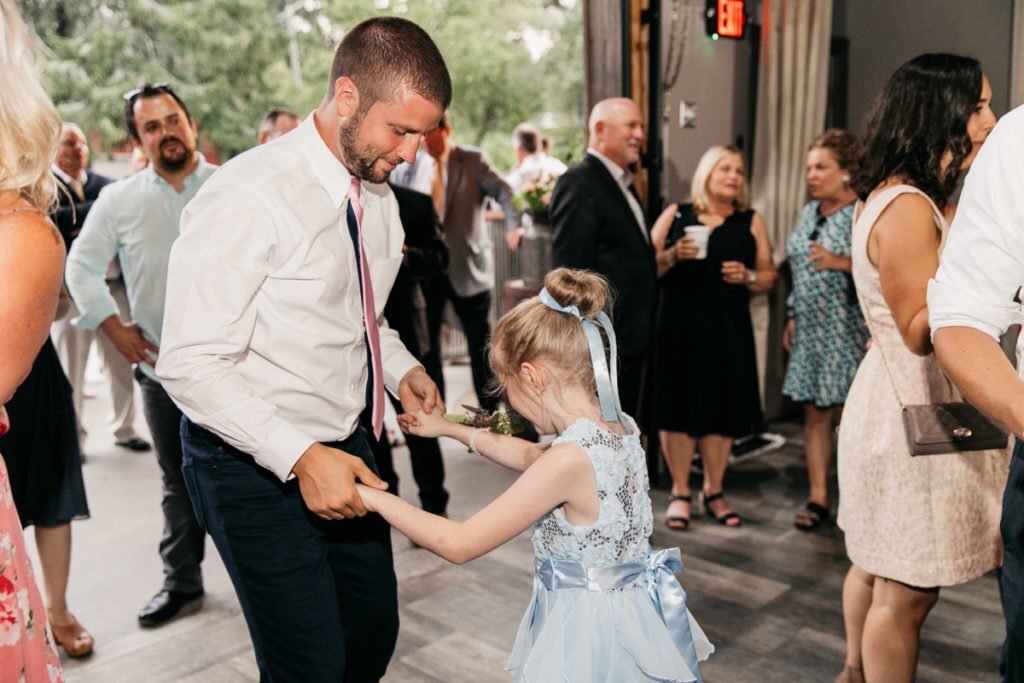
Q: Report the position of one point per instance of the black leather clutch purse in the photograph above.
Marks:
(950, 428)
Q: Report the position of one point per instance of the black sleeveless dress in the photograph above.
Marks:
(706, 370)
(41, 449)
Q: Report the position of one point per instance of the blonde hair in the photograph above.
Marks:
(533, 331)
(701, 175)
(29, 124)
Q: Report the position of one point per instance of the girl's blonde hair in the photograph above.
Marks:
(29, 124)
(701, 175)
(533, 331)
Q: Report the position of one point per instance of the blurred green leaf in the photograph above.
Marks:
(229, 61)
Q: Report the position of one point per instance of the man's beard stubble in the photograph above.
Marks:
(359, 158)
(174, 162)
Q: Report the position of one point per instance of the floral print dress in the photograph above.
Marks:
(27, 651)
(830, 337)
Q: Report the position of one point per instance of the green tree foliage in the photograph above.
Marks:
(230, 60)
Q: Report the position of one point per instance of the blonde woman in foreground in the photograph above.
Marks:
(31, 268)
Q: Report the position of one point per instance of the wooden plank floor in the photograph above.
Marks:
(767, 595)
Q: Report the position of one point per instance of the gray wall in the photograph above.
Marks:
(885, 33)
(882, 35)
(716, 76)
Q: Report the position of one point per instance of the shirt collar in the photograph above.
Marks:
(621, 175)
(198, 174)
(331, 173)
(82, 177)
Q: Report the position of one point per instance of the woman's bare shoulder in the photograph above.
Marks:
(30, 233)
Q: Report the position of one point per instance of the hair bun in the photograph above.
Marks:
(584, 289)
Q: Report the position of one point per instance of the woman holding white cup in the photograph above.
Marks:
(712, 253)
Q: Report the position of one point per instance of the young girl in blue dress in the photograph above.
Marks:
(605, 606)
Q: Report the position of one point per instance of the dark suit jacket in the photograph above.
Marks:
(69, 214)
(594, 228)
(471, 180)
(426, 257)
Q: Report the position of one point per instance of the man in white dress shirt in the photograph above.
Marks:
(976, 295)
(532, 162)
(283, 255)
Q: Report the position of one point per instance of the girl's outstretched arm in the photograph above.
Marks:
(509, 451)
(563, 474)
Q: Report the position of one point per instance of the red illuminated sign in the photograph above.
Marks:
(731, 18)
(726, 18)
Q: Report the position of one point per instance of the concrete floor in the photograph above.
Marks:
(768, 596)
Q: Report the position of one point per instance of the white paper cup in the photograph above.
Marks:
(699, 234)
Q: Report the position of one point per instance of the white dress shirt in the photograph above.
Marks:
(263, 333)
(419, 175)
(82, 179)
(534, 167)
(981, 273)
(625, 180)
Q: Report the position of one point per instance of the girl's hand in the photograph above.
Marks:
(685, 249)
(823, 259)
(787, 335)
(419, 423)
(369, 499)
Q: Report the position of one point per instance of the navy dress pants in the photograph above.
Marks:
(1011, 578)
(319, 596)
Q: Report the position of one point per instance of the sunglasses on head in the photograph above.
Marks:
(817, 228)
(149, 88)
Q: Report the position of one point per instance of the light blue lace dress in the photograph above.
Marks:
(606, 608)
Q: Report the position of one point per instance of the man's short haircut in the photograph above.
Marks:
(271, 117)
(384, 54)
(527, 137)
(145, 92)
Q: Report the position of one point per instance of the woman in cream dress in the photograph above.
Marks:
(912, 524)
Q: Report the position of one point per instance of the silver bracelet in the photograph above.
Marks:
(472, 439)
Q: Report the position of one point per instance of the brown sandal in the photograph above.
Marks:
(76, 641)
(678, 523)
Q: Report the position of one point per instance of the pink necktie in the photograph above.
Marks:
(369, 312)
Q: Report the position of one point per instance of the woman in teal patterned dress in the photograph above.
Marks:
(826, 335)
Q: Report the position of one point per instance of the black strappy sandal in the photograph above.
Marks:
(724, 520)
(811, 516)
(678, 523)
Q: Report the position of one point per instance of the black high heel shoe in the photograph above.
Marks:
(726, 519)
(678, 523)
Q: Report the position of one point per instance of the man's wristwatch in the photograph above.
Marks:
(751, 277)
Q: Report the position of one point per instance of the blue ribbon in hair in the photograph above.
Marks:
(607, 382)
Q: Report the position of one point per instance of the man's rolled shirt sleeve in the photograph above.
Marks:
(88, 260)
(981, 273)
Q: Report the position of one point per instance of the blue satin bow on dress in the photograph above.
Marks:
(659, 580)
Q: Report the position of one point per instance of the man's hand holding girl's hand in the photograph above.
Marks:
(369, 497)
(420, 423)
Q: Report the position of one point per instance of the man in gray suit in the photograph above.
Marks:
(462, 181)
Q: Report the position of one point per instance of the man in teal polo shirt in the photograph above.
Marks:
(136, 219)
